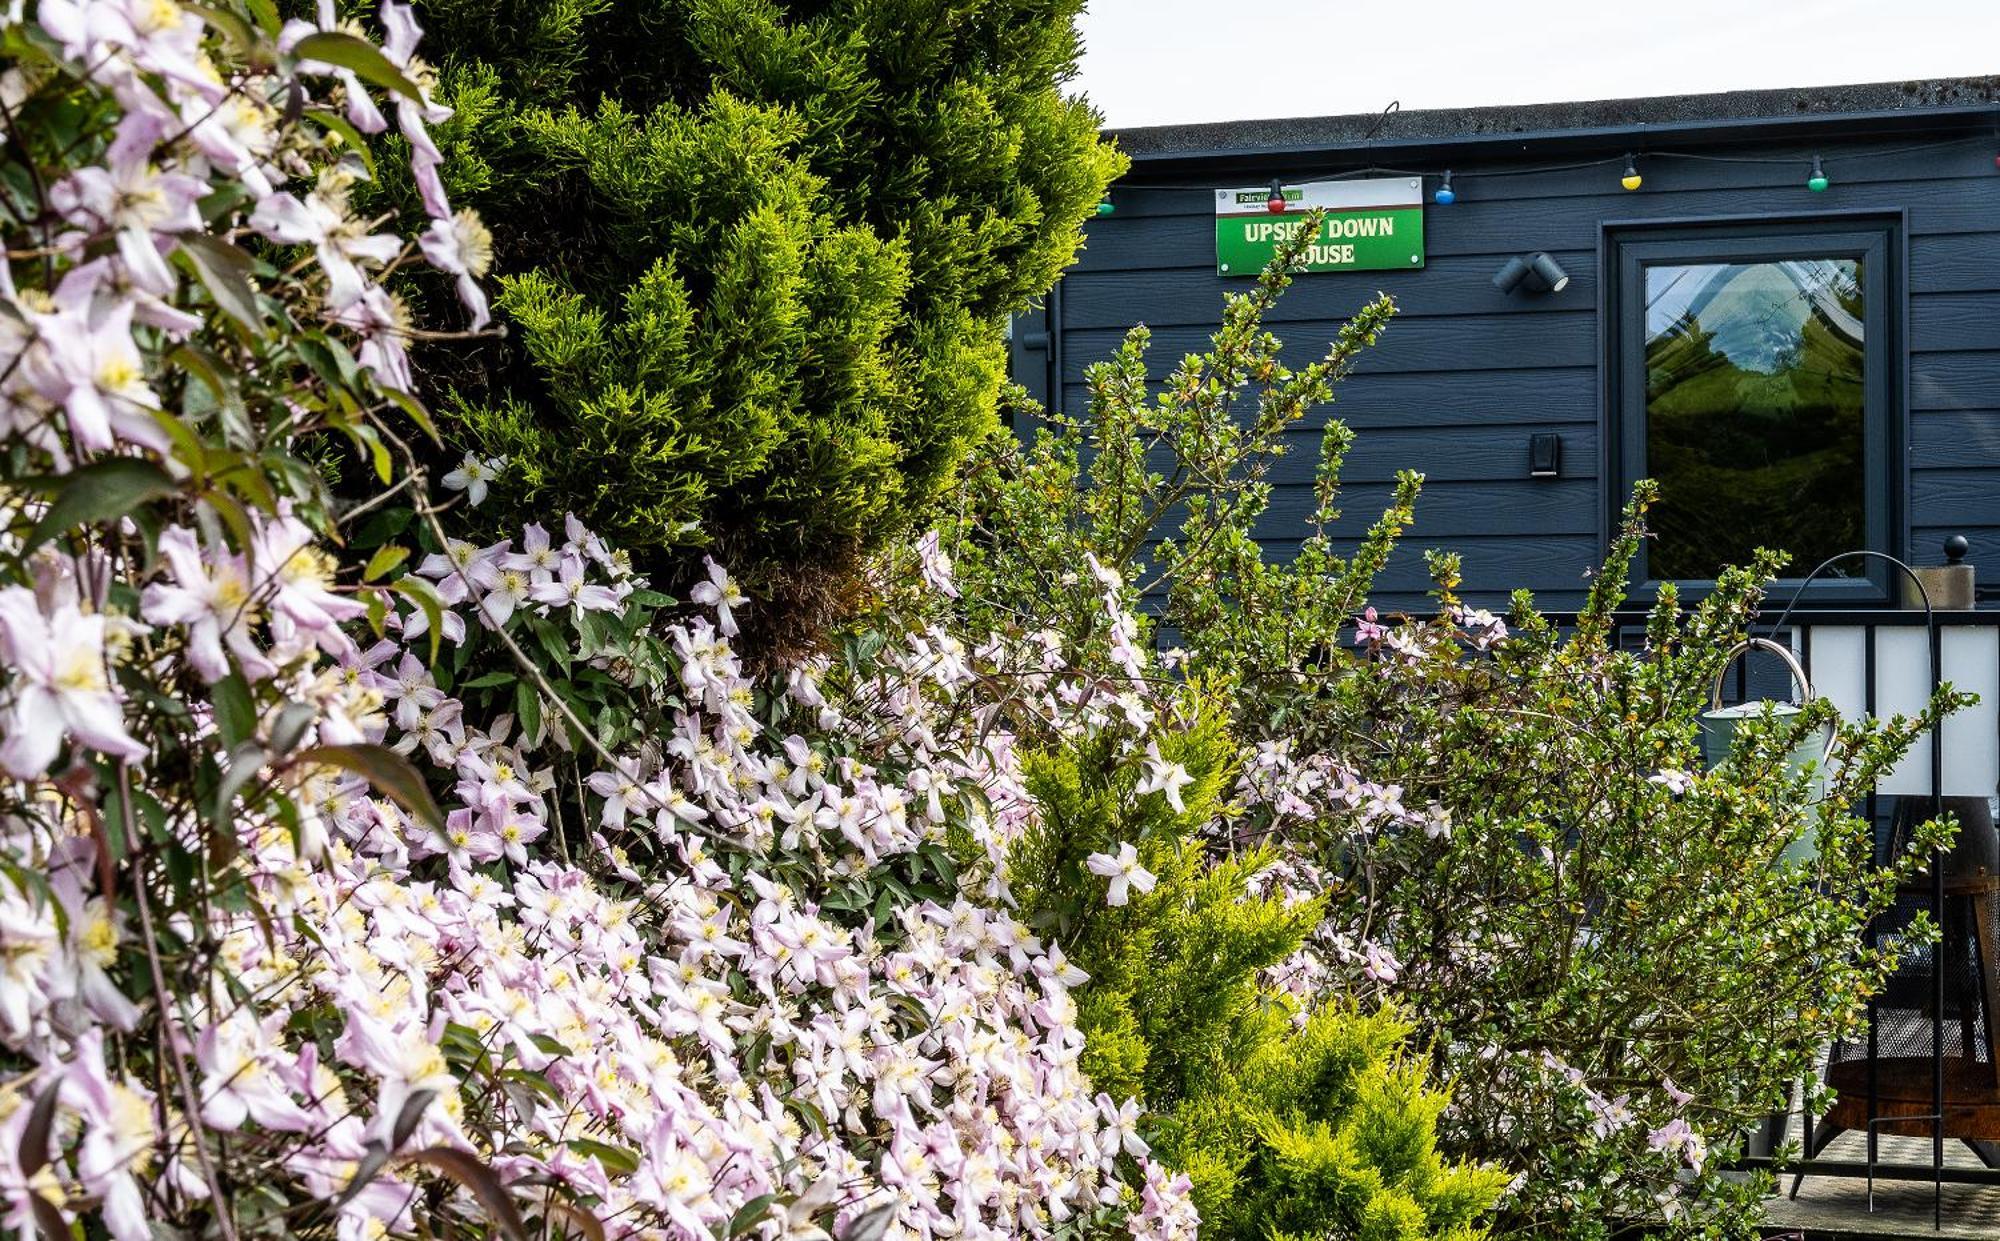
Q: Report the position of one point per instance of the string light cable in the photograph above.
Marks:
(1452, 180)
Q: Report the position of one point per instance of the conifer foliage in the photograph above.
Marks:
(759, 258)
(1293, 1113)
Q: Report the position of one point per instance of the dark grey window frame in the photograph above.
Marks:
(1875, 237)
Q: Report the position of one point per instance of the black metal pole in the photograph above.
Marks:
(1874, 936)
(1937, 885)
(1937, 905)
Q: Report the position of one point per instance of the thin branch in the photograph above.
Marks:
(190, 1098)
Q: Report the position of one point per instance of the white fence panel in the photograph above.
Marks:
(1969, 658)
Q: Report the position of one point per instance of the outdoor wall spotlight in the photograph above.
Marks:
(1511, 274)
(1546, 272)
(1536, 272)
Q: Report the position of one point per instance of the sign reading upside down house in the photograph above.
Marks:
(1373, 225)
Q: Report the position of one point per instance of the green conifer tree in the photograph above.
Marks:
(756, 258)
(1295, 1120)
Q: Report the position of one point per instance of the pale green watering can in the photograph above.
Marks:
(1719, 725)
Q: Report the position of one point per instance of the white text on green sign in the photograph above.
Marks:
(1372, 225)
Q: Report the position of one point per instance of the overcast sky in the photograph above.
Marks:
(1161, 62)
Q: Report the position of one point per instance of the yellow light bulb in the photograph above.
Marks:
(1631, 180)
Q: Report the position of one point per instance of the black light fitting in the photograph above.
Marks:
(1537, 273)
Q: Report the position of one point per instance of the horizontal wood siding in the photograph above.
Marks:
(1465, 374)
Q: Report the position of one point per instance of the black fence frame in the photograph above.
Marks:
(1871, 621)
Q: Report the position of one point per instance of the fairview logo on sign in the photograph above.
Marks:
(1373, 225)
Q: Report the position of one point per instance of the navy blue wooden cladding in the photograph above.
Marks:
(1466, 374)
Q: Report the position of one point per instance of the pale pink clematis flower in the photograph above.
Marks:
(87, 363)
(240, 134)
(722, 593)
(473, 476)
(118, 1137)
(1380, 965)
(94, 927)
(569, 590)
(134, 199)
(1109, 578)
(936, 566)
(29, 930)
(1367, 629)
(461, 246)
(1673, 780)
(211, 596)
(321, 221)
(1059, 968)
(286, 561)
(1124, 872)
(1164, 777)
(383, 325)
(464, 564)
(590, 544)
(158, 35)
(240, 1082)
(1484, 628)
(416, 623)
(509, 593)
(619, 791)
(1677, 1137)
(400, 23)
(538, 557)
(61, 685)
(361, 110)
(403, 1059)
(1121, 1128)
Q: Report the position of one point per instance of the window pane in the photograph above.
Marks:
(1754, 403)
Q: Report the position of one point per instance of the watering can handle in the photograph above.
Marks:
(1781, 651)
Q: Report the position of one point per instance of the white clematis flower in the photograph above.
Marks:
(61, 687)
(473, 476)
(1123, 870)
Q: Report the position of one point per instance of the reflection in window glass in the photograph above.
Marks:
(1754, 403)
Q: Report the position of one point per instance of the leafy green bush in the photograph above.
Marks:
(759, 257)
(1290, 1117)
(1507, 822)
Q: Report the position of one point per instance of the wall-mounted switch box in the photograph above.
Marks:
(1544, 455)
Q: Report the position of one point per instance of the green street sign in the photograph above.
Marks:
(1373, 225)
